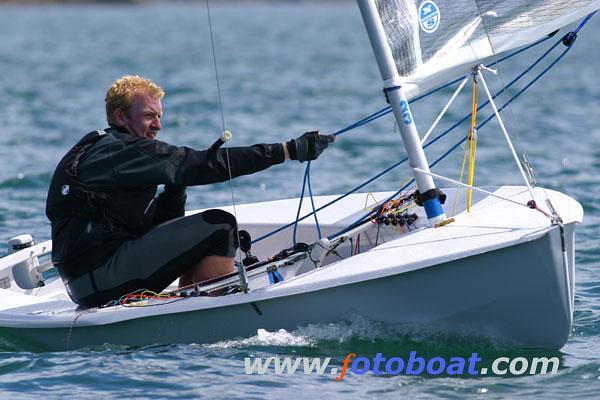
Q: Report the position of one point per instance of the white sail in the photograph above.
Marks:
(435, 40)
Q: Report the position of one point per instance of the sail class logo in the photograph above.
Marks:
(429, 16)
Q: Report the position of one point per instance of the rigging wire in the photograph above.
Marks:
(241, 270)
(510, 118)
(214, 57)
(387, 110)
(505, 132)
(462, 140)
(567, 40)
(220, 98)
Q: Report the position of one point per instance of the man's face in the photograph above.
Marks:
(143, 119)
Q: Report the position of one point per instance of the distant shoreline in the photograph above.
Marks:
(31, 2)
(62, 2)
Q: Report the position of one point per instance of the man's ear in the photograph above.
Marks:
(120, 117)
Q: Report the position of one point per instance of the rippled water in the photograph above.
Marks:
(284, 69)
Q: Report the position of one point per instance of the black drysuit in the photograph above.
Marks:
(104, 211)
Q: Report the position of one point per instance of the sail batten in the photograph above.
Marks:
(435, 40)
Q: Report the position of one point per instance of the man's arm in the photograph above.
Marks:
(126, 161)
(211, 166)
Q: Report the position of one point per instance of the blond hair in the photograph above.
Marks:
(122, 92)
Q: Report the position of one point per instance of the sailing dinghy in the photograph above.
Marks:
(447, 260)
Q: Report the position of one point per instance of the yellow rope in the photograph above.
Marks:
(146, 295)
(472, 143)
(367, 200)
(462, 173)
(470, 148)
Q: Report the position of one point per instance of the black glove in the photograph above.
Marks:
(308, 146)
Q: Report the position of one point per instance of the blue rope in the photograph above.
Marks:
(305, 183)
(585, 21)
(295, 223)
(508, 102)
(365, 120)
(484, 104)
(312, 202)
(519, 51)
(461, 141)
(356, 188)
(387, 110)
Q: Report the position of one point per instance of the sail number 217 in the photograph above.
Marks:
(406, 112)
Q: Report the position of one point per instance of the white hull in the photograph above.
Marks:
(497, 272)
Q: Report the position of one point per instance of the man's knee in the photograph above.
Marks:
(219, 217)
(225, 238)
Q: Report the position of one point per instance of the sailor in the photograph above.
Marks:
(112, 234)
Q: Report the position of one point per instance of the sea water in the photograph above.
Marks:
(283, 69)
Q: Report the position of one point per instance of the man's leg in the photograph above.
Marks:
(208, 268)
(206, 241)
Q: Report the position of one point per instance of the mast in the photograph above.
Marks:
(392, 87)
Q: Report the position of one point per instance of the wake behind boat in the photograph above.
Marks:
(497, 262)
